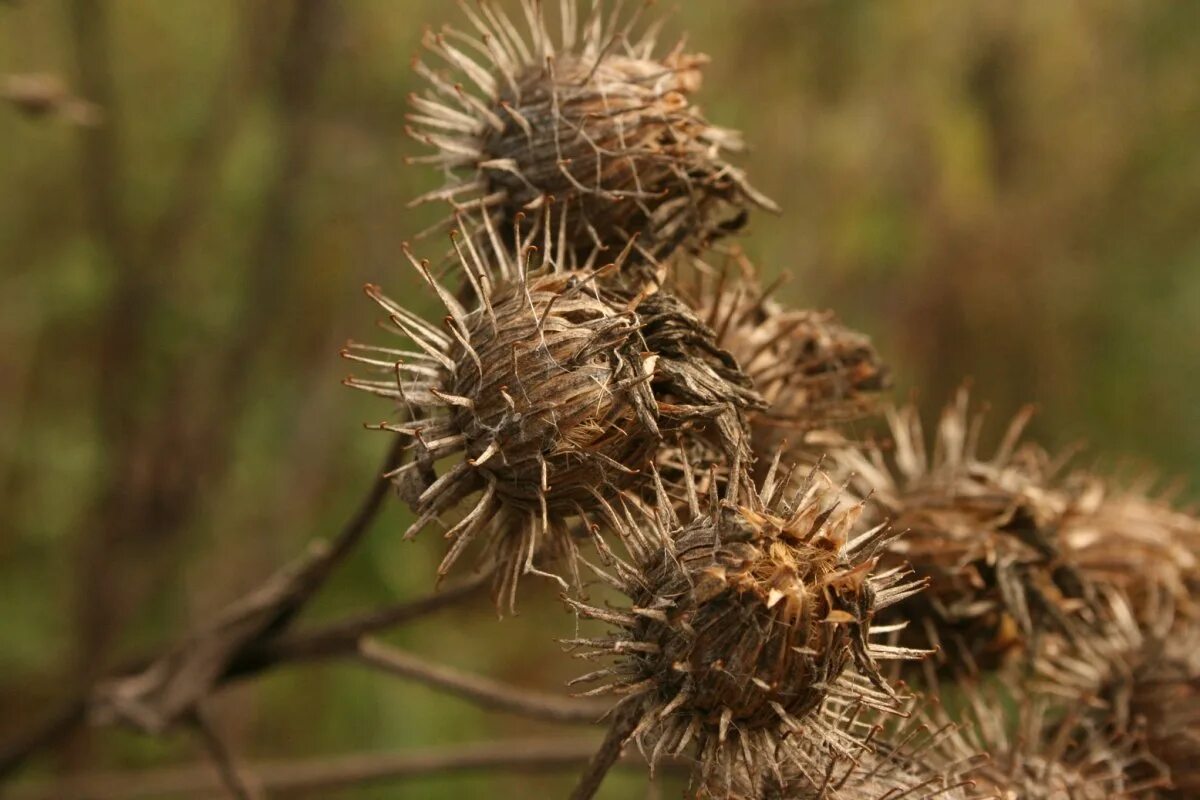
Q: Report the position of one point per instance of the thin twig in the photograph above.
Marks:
(64, 721)
(328, 774)
(342, 637)
(231, 778)
(609, 753)
(481, 691)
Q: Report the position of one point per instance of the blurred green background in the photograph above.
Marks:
(1004, 190)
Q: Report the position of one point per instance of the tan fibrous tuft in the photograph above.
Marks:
(745, 616)
(590, 118)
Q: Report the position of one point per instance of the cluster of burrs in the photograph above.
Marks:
(610, 397)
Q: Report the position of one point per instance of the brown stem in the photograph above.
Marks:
(329, 774)
(62, 723)
(222, 758)
(341, 637)
(609, 753)
(481, 691)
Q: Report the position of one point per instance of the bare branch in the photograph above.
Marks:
(271, 616)
(231, 779)
(341, 637)
(482, 691)
(279, 778)
(609, 753)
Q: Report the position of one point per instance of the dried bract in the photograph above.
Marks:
(591, 119)
(744, 617)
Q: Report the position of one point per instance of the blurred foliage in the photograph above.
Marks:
(996, 190)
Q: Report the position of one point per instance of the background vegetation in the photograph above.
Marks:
(1005, 191)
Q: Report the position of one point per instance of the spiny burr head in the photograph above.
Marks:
(812, 371)
(591, 119)
(744, 616)
(852, 752)
(1136, 542)
(539, 394)
(1042, 749)
(984, 530)
(551, 391)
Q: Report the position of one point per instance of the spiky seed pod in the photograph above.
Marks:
(983, 530)
(1164, 693)
(1134, 676)
(591, 118)
(743, 618)
(860, 753)
(539, 396)
(812, 371)
(1040, 749)
(552, 392)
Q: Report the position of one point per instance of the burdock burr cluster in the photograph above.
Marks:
(610, 400)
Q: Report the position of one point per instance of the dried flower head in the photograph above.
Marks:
(552, 392)
(812, 371)
(591, 119)
(1164, 693)
(1133, 676)
(1040, 749)
(743, 619)
(983, 530)
(853, 752)
(1134, 542)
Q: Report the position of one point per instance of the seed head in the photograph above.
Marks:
(551, 392)
(1050, 751)
(1135, 542)
(1165, 692)
(591, 118)
(982, 530)
(812, 371)
(1135, 676)
(743, 619)
(854, 752)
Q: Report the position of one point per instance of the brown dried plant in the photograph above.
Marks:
(745, 613)
(589, 126)
(594, 383)
(551, 392)
(982, 530)
(813, 372)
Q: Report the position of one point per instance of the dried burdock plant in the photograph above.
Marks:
(1041, 749)
(983, 530)
(812, 371)
(861, 753)
(1134, 541)
(1164, 693)
(551, 393)
(744, 616)
(590, 121)
(1133, 675)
